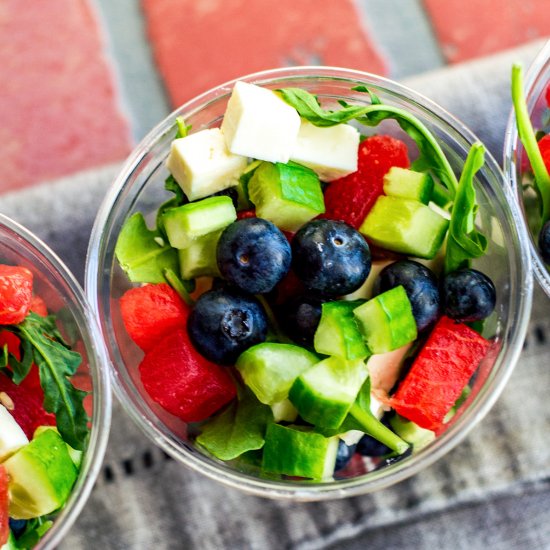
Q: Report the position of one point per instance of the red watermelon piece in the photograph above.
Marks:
(28, 409)
(15, 294)
(183, 382)
(349, 199)
(38, 306)
(12, 341)
(544, 147)
(4, 505)
(439, 373)
(547, 95)
(151, 311)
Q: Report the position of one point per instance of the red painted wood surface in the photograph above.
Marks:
(58, 108)
(467, 29)
(199, 44)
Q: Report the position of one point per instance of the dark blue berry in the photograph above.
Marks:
(330, 257)
(368, 446)
(230, 192)
(224, 323)
(17, 526)
(343, 455)
(253, 254)
(299, 318)
(544, 242)
(421, 287)
(468, 295)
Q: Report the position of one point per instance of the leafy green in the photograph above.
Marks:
(143, 254)
(238, 429)
(308, 107)
(361, 412)
(183, 129)
(527, 136)
(464, 242)
(35, 529)
(42, 344)
(181, 287)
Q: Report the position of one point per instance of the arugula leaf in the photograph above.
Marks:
(181, 287)
(464, 242)
(183, 129)
(308, 107)
(35, 529)
(361, 412)
(240, 428)
(528, 139)
(42, 344)
(140, 255)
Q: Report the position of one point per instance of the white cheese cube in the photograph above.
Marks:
(12, 437)
(330, 152)
(259, 124)
(202, 164)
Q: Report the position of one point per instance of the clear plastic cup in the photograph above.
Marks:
(63, 296)
(140, 187)
(516, 163)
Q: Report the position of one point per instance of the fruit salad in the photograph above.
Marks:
(535, 171)
(43, 423)
(306, 301)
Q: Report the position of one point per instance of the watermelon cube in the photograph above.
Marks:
(182, 381)
(439, 373)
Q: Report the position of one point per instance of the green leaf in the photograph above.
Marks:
(527, 136)
(183, 129)
(56, 364)
(181, 287)
(308, 107)
(35, 529)
(144, 254)
(20, 369)
(361, 412)
(464, 242)
(240, 428)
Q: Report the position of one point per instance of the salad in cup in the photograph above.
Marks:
(54, 401)
(314, 303)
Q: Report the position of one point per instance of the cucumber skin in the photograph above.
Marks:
(390, 312)
(338, 332)
(296, 451)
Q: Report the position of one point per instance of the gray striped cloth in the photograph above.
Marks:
(492, 491)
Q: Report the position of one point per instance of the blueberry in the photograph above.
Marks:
(544, 242)
(421, 287)
(230, 192)
(17, 526)
(330, 257)
(300, 318)
(253, 254)
(343, 455)
(368, 446)
(226, 322)
(468, 295)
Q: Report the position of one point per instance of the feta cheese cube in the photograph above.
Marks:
(331, 151)
(259, 124)
(12, 436)
(202, 164)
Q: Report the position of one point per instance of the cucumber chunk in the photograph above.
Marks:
(338, 333)
(406, 226)
(325, 393)
(185, 223)
(408, 184)
(270, 368)
(41, 474)
(288, 195)
(411, 433)
(386, 321)
(298, 451)
(199, 258)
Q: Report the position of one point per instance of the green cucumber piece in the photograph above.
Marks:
(185, 223)
(298, 451)
(76, 456)
(270, 368)
(406, 226)
(386, 321)
(338, 333)
(402, 182)
(288, 195)
(325, 393)
(42, 475)
(284, 411)
(199, 258)
(411, 432)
